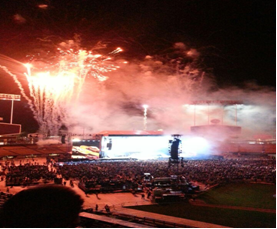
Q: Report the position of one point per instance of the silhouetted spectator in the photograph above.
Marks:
(47, 206)
(107, 208)
(148, 194)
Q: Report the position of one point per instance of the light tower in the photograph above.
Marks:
(12, 98)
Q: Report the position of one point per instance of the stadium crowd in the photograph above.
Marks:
(130, 174)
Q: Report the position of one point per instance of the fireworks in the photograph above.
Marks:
(56, 84)
(145, 116)
(59, 93)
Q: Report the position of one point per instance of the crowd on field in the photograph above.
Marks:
(130, 174)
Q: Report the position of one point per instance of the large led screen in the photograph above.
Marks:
(141, 147)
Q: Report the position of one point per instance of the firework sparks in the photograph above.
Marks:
(55, 85)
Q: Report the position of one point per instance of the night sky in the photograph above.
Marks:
(235, 38)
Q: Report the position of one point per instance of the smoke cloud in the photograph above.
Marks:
(168, 84)
(116, 104)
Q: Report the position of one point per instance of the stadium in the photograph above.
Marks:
(161, 168)
(132, 114)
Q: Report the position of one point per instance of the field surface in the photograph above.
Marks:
(243, 195)
(240, 195)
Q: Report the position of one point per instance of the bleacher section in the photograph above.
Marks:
(33, 149)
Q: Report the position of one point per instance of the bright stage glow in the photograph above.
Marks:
(141, 147)
(195, 146)
(152, 147)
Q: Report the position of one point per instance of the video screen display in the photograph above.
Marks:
(141, 147)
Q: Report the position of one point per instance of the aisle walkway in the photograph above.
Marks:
(173, 220)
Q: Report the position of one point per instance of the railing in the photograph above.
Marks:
(150, 221)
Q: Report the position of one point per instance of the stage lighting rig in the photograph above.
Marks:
(175, 148)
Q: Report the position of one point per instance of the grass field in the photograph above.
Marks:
(244, 195)
(225, 217)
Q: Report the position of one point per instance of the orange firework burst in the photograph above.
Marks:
(56, 84)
